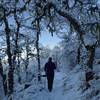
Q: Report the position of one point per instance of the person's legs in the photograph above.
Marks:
(50, 82)
(48, 79)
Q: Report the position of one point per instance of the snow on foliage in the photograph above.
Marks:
(89, 39)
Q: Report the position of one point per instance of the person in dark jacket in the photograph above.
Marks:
(49, 69)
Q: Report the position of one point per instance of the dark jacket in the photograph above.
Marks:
(49, 68)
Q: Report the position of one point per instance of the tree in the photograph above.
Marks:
(1, 88)
(71, 13)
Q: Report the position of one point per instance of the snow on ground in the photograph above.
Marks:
(58, 91)
(66, 87)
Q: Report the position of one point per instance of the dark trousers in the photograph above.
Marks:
(50, 79)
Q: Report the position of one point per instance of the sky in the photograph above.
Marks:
(98, 1)
(47, 40)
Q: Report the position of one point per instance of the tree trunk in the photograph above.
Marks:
(91, 54)
(27, 56)
(78, 56)
(37, 47)
(11, 68)
(3, 77)
(18, 67)
(1, 88)
(1, 68)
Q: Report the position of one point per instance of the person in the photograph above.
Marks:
(49, 70)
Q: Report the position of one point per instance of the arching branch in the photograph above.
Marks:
(72, 20)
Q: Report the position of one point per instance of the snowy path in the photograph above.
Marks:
(66, 87)
(58, 91)
(61, 91)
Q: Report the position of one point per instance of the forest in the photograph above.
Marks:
(76, 23)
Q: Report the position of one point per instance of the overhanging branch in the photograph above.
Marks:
(72, 20)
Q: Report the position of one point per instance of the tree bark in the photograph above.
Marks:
(91, 54)
(27, 55)
(3, 77)
(38, 50)
(16, 51)
(91, 50)
(78, 56)
(1, 68)
(11, 68)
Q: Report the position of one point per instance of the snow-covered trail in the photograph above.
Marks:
(66, 87)
(58, 91)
